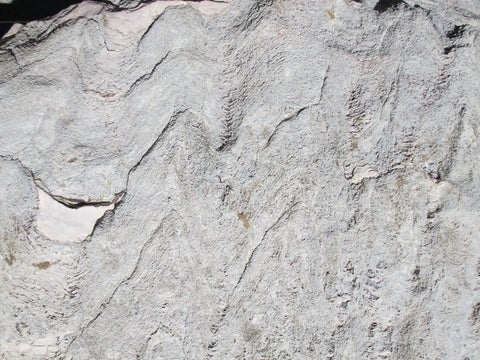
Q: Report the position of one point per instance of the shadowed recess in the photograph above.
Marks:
(22, 11)
(384, 5)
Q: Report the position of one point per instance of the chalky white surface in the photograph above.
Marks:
(271, 180)
(61, 223)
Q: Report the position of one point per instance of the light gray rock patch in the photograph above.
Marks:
(284, 180)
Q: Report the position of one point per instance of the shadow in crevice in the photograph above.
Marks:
(456, 32)
(28, 10)
(23, 11)
(384, 5)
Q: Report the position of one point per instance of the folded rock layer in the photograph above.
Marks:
(264, 179)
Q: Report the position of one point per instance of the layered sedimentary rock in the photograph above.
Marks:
(254, 179)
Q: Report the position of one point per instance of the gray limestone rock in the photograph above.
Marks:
(254, 179)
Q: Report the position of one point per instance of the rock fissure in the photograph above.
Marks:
(147, 76)
(284, 215)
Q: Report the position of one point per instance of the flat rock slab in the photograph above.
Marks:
(253, 179)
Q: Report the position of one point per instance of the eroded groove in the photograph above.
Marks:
(220, 322)
(74, 203)
(171, 123)
(283, 216)
(26, 169)
(147, 341)
(298, 112)
(146, 76)
(454, 139)
(159, 138)
(289, 118)
(149, 28)
(120, 284)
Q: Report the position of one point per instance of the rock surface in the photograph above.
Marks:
(264, 179)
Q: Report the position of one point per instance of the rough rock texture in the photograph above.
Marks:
(260, 179)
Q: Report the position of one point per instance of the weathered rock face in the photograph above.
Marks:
(258, 179)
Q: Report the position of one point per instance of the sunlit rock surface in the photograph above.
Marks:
(253, 179)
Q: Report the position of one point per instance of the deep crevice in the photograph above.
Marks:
(23, 11)
(78, 203)
(448, 49)
(453, 35)
(384, 5)
(456, 32)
